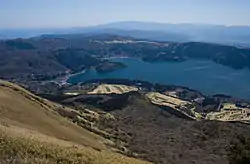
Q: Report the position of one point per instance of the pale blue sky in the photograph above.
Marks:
(75, 13)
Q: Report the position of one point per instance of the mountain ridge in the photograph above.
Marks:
(51, 56)
(231, 35)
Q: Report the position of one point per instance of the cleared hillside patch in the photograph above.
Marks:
(113, 89)
(161, 99)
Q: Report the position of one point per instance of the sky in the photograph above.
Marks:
(79, 13)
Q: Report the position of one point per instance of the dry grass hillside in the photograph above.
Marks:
(31, 131)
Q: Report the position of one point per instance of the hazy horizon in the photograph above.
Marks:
(78, 13)
(128, 21)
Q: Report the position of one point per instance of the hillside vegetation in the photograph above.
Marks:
(162, 124)
(31, 131)
(28, 147)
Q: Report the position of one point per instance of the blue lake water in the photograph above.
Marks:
(205, 76)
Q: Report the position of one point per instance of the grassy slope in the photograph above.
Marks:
(19, 109)
(31, 130)
(23, 146)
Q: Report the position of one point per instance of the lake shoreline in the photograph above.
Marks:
(208, 77)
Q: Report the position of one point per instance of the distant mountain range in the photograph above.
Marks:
(231, 35)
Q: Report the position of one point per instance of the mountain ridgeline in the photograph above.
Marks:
(47, 57)
(185, 32)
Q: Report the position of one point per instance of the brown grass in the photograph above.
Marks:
(31, 131)
(30, 149)
(21, 111)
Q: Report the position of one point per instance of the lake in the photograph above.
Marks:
(205, 76)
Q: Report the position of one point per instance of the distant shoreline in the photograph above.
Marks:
(68, 76)
(117, 57)
(63, 80)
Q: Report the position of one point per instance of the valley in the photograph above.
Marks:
(56, 59)
(46, 58)
(82, 100)
(124, 82)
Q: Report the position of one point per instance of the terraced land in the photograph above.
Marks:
(179, 105)
(230, 112)
(113, 89)
(162, 99)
